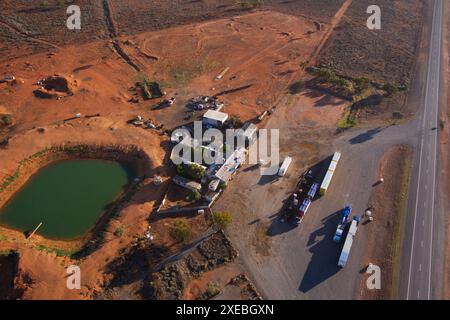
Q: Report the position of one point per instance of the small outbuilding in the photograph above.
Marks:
(214, 118)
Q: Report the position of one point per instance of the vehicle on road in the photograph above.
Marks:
(342, 223)
(343, 258)
(330, 173)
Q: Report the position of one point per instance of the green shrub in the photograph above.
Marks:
(211, 291)
(194, 171)
(362, 83)
(6, 120)
(196, 196)
(222, 219)
(390, 89)
(397, 115)
(235, 121)
(119, 231)
(180, 230)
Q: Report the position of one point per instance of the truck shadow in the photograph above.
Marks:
(325, 254)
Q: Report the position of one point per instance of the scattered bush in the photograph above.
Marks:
(196, 196)
(190, 171)
(362, 84)
(347, 120)
(119, 231)
(235, 121)
(222, 219)
(222, 185)
(390, 89)
(194, 171)
(397, 115)
(180, 230)
(6, 120)
(211, 291)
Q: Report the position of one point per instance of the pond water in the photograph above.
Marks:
(68, 197)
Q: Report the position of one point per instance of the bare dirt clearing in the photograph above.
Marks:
(385, 232)
(263, 51)
(31, 28)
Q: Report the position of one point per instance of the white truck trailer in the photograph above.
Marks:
(348, 243)
(284, 166)
(330, 172)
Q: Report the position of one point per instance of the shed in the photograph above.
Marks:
(215, 118)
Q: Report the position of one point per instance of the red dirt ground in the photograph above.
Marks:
(262, 49)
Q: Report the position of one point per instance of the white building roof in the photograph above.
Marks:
(231, 164)
(216, 116)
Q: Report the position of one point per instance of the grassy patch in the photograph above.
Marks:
(3, 238)
(346, 121)
(397, 237)
(57, 251)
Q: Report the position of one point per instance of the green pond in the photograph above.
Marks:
(68, 197)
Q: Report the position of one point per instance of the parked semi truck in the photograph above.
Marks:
(303, 209)
(342, 223)
(343, 258)
(330, 172)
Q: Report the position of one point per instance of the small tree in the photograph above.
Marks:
(119, 231)
(222, 219)
(362, 83)
(180, 230)
(390, 89)
(6, 120)
(235, 121)
(397, 115)
(196, 196)
(194, 171)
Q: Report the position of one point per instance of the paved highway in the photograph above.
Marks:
(419, 261)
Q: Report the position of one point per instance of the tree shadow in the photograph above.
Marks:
(366, 136)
